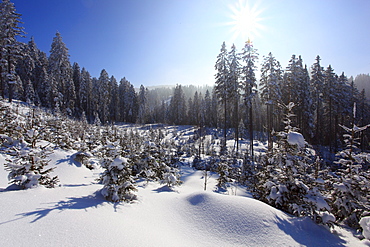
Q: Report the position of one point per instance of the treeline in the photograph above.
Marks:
(323, 99)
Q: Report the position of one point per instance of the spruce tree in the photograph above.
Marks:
(10, 48)
(222, 85)
(249, 56)
(61, 73)
(270, 83)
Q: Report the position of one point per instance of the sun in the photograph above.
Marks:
(245, 20)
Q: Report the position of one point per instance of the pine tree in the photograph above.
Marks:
(143, 112)
(329, 95)
(128, 101)
(222, 84)
(317, 87)
(286, 179)
(234, 89)
(351, 193)
(77, 80)
(84, 93)
(270, 83)
(249, 57)
(113, 104)
(117, 179)
(177, 107)
(61, 74)
(10, 48)
(207, 109)
(103, 96)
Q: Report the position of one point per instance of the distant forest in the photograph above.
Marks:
(323, 99)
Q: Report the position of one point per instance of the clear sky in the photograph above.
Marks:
(161, 42)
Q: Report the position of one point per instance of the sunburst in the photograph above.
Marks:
(246, 20)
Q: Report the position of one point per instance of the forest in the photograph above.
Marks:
(312, 120)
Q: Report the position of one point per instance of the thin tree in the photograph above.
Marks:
(221, 87)
(249, 57)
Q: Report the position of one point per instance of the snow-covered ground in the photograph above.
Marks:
(75, 214)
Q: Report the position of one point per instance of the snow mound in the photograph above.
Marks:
(295, 138)
(241, 221)
(365, 224)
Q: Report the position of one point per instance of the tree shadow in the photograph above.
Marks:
(69, 160)
(165, 188)
(72, 203)
(307, 233)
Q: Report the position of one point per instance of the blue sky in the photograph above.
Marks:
(160, 42)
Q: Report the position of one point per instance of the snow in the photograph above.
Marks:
(295, 138)
(76, 214)
(365, 224)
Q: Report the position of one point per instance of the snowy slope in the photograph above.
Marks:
(75, 214)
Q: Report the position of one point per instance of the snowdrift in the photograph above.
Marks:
(75, 214)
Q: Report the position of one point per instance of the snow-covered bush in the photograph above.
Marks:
(286, 178)
(223, 169)
(117, 179)
(28, 167)
(171, 176)
(351, 183)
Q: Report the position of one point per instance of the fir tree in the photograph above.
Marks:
(222, 84)
(10, 48)
(249, 57)
(350, 196)
(61, 72)
(270, 83)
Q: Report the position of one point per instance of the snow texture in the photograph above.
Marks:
(365, 225)
(75, 214)
(295, 138)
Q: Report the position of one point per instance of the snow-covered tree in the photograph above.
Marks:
(128, 101)
(77, 80)
(234, 89)
(270, 83)
(85, 93)
(249, 57)
(286, 178)
(10, 48)
(104, 97)
(143, 111)
(116, 178)
(222, 84)
(28, 166)
(113, 104)
(177, 107)
(61, 73)
(351, 186)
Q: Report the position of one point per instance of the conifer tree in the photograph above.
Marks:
(85, 93)
(222, 84)
(61, 72)
(317, 87)
(234, 89)
(270, 83)
(77, 80)
(113, 104)
(177, 107)
(103, 96)
(143, 112)
(351, 186)
(329, 94)
(10, 48)
(249, 57)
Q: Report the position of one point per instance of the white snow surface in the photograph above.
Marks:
(365, 224)
(75, 214)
